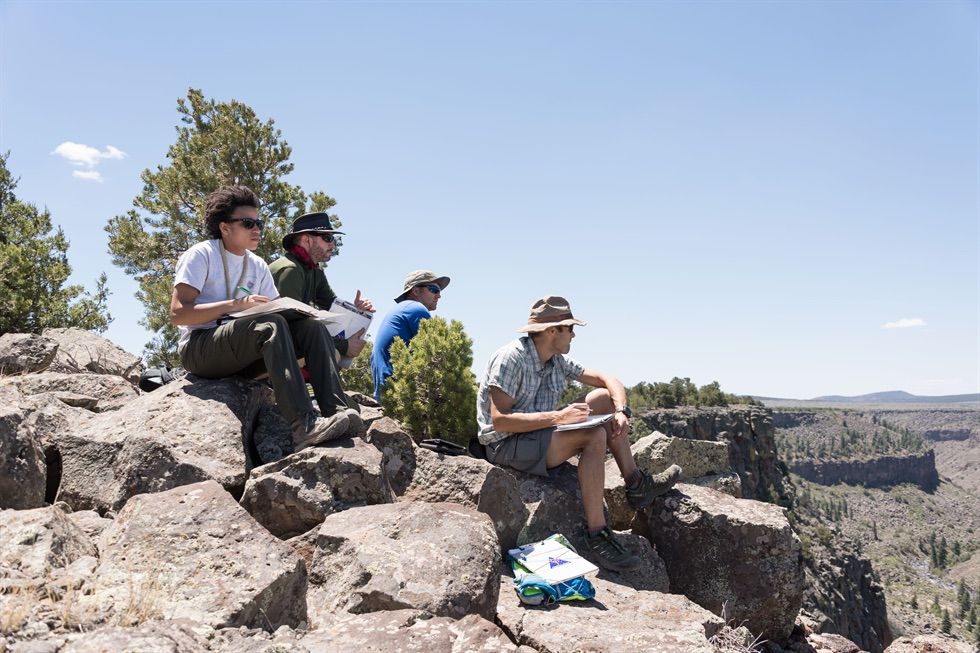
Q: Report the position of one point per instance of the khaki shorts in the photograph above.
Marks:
(525, 452)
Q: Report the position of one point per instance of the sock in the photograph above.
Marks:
(633, 481)
(595, 531)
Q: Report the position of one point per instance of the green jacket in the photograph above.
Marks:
(295, 280)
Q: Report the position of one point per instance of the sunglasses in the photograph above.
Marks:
(249, 223)
(433, 288)
(570, 327)
(327, 238)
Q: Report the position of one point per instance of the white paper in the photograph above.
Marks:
(552, 561)
(350, 319)
(588, 423)
(286, 304)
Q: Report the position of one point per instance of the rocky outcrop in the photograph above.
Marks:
(733, 556)
(194, 553)
(171, 636)
(295, 494)
(929, 644)
(84, 351)
(751, 438)
(621, 620)
(23, 473)
(881, 471)
(35, 542)
(186, 432)
(439, 557)
(95, 392)
(23, 353)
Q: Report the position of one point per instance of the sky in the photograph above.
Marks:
(783, 197)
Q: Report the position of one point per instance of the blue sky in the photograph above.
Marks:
(735, 191)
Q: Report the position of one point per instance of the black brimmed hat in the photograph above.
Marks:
(317, 223)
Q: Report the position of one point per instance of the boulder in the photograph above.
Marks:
(23, 353)
(398, 448)
(35, 542)
(96, 392)
(171, 636)
(473, 483)
(188, 431)
(929, 644)
(91, 523)
(619, 619)
(194, 553)
(295, 494)
(272, 438)
(80, 350)
(831, 643)
(727, 483)
(49, 418)
(439, 557)
(380, 632)
(23, 473)
(656, 452)
(554, 505)
(736, 555)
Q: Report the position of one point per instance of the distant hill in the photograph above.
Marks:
(891, 397)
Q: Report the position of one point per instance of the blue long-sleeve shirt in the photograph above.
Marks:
(403, 322)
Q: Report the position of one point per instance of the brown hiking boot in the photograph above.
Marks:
(316, 429)
(651, 487)
(609, 552)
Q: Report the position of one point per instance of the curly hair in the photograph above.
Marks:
(220, 204)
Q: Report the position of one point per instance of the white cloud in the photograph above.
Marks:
(86, 155)
(88, 175)
(904, 323)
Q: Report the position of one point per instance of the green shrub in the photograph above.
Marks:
(432, 390)
(357, 377)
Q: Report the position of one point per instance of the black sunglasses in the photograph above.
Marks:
(327, 238)
(433, 288)
(249, 223)
(570, 327)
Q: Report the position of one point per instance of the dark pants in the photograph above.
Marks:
(238, 344)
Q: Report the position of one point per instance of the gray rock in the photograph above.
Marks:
(295, 494)
(473, 483)
(91, 523)
(35, 542)
(398, 448)
(655, 453)
(23, 473)
(188, 431)
(193, 553)
(380, 632)
(554, 505)
(80, 350)
(96, 392)
(50, 417)
(727, 483)
(172, 636)
(23, 353)
(272, 437)
(734, 554)
(619, 619)
(439, 557)
(929, 644)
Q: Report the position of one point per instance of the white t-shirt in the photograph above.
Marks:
(200, 268)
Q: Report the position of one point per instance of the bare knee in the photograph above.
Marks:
(600, 401)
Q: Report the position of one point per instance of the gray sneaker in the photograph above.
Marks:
(609, 552)
(316, 429)
(356, 428)
(651, 487)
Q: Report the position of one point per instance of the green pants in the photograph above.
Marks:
(238, 345)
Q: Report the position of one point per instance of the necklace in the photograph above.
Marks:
(224, 264)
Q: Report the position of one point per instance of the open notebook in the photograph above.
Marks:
(552, 560)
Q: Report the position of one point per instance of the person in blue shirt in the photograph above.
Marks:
(420, 296)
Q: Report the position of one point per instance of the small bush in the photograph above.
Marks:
(432, 390)
(357, 377)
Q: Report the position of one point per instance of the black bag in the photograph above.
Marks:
(443, 446)
(156, 377)
(477, 449)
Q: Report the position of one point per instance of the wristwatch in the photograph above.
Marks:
(625, 410)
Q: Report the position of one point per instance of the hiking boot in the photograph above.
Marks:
(609, 552)
(651, 487)
(316, 429)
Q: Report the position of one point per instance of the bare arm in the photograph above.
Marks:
(184, 312)
(616, 392)
(506, 421)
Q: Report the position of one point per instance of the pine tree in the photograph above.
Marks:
(942, 554)
(936, 608)
(432, 390)
(914, 603)
(218, 143)
(34, 268)
(874, 530)
(947, 623)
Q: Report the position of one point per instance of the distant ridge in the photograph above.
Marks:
(890, 397)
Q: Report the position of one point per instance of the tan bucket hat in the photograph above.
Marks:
(548, 312)
(420, 278)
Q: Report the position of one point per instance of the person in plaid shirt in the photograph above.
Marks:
(517, 412)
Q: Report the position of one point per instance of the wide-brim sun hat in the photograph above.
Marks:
(550, 311)
(318, 223)
(420, 278)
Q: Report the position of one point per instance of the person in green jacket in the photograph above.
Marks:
(297, 273)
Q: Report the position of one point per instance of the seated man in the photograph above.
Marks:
(517, 414)
(221, 276)
(421, 294)
(298, 274)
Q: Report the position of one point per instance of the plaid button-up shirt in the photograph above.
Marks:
(516, 369)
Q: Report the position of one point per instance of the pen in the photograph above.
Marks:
(245, 290)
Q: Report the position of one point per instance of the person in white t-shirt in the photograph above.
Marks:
(221, 276)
